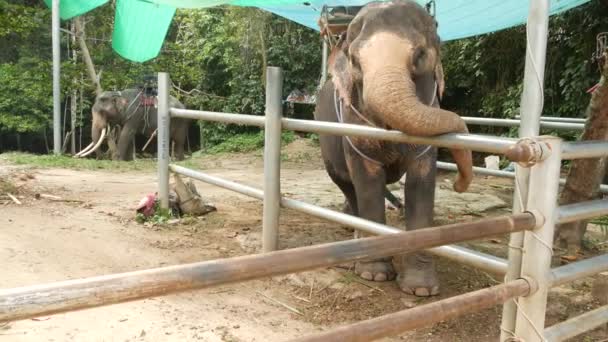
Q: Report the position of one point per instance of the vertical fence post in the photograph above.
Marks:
(531, 109)
(272, 159)
(538, 243)
(55, 25)
(163, 139)
(324, 64)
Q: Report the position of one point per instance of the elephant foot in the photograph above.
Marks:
(418, 277)
(376, 270)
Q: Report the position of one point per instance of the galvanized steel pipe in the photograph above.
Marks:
(163, 140)
(582, 211)
(481, 143)
(531, 107)
(558, 119)
(272, 159)
(56, 38)
(578, 270)
(499, 173)
(463, 255)
(577, 325)
(585, 149)
(495, 122)
(537, 246)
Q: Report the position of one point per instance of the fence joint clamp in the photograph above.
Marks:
(532, 285)
(527, 152)
(539, 219)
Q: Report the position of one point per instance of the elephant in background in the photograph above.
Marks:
(386, 72)
(135, 113)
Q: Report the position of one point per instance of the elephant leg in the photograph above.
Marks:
(178, 147)
(369, 181)
(350, 204)
(131, 150)
(125, 143)
(417, 273)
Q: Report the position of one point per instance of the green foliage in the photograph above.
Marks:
(161, 216)
(314, 138)
(247, 142)
(602, 222)
(27, 79)
(484, 74)
(217, 58)
(65, 162)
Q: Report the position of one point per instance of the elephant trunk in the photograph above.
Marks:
(390, 93)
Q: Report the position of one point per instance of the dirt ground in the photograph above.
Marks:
(43, 241)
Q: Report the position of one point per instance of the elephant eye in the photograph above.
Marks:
(418, 57)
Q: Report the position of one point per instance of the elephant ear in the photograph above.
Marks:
(121, 103)
(439, 78)
(339, 67)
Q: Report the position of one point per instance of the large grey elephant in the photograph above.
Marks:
(386, 72)
(135, 113)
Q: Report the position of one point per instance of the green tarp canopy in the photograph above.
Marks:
(140, 26)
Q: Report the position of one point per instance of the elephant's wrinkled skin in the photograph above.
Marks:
(388, 69)
(124, 108)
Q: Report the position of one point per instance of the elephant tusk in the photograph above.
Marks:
(103, 135)
(84, 150)
(150, 140)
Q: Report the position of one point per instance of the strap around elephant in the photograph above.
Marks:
(339, 108)
(338, 105)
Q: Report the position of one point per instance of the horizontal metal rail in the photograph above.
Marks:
(585, 149)
(558, 119)
(582, 211)
(577, 270)
(577, 325)
(46, 299)
(499, 173)
(495, 122)
(424, 315)
(480, 143)
(463, 255)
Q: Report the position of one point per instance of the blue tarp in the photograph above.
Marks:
(457, 18)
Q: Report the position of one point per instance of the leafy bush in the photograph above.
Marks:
(247, 142)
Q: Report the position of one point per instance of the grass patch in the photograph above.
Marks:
(601, 222)
(67, 162)
(247, 142)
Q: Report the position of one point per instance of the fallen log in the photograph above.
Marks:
(56, 198)
(14, 199)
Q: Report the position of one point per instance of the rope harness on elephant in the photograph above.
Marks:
(136, 108)
(339, 115)
(147, 103)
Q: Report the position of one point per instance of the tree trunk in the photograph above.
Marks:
(585, 175)
(264, 53)
(86, 56)
(111, 141)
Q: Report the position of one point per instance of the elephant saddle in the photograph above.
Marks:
(148, 101)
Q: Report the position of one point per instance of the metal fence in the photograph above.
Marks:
(541, 200)
(528, 275)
